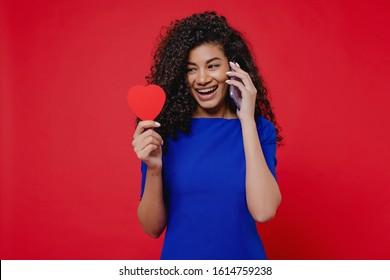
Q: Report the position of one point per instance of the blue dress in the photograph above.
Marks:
(204, 191)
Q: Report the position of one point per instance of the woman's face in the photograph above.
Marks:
(206, 74)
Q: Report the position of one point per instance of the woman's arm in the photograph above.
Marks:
(151, 209)
(262, 191)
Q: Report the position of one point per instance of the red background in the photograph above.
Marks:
(70, 181)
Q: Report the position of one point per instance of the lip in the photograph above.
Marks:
(204, 96)
(206, 90)
(203, 93)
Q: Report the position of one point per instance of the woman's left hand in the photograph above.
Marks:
(248, 92)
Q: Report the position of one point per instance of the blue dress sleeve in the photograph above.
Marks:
(144, 167)
(268, 141)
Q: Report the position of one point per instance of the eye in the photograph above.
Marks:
(213, 66)
(191, 70)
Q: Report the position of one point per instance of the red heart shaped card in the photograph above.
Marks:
(146, 102)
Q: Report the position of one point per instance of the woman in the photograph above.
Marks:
(208, 168)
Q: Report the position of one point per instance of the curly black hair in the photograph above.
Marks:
(169, 69)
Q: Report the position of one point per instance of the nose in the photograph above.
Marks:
(203, 78)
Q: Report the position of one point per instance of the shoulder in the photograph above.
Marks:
(265, 129)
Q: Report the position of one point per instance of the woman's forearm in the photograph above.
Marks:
(151, 209)
(262, 191)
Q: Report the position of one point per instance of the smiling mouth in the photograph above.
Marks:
(205, 91)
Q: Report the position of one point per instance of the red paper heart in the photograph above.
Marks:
(146, 102)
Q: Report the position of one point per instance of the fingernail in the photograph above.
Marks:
(158, 124)
(228, 72)
(162, 142)
(232, 63)
(238, 65)
(228, 81)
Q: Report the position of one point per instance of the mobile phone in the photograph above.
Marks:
(235, 93)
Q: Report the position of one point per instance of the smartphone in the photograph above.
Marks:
(235, 93)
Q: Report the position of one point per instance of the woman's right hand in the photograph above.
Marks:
(147, 144)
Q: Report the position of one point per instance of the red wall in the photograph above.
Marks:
(70, 181)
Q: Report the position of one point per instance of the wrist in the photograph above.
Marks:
(248, 121)
(154, 170)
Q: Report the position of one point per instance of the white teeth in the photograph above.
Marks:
(207, 90)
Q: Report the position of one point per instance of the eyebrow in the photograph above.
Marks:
(207, 62)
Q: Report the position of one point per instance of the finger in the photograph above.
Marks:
(142, 125)
(236, 67)
(145, 153)
(150, 140)
(241, 74)
(149, 134)
(238, 84)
